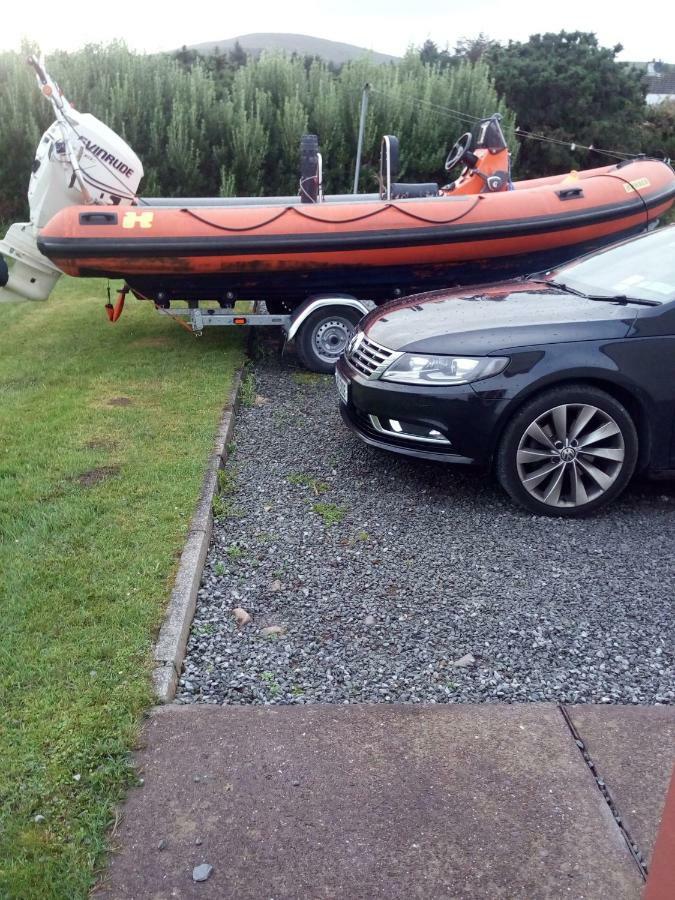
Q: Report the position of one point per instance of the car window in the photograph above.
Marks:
(643, 268)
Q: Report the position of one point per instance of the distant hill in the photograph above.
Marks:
(303, 44)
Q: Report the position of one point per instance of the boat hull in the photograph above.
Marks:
(369, 248)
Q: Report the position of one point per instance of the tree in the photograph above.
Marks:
(565, 86)
(659, 130)
(237, 56)
(430, 55)
(474, 49)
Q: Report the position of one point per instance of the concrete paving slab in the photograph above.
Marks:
(373, 801)
(633, 748)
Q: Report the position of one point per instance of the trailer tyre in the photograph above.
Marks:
(323, 337)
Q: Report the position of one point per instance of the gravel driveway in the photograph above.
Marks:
(390, 579)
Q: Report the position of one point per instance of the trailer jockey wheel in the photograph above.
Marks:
(323, 337)
(456, 154)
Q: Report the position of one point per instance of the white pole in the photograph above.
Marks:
(362, 129)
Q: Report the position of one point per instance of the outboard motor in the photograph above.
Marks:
(79, 160)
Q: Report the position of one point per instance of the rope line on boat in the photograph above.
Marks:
(625, 181)
(349, 221)
(204, 221)
(377, 212)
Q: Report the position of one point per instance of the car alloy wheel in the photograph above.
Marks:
(567, 451)
(570, 455)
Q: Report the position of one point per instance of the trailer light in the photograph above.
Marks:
(47, 90)
(240, 320)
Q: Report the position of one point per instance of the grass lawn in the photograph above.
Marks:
(104, 433)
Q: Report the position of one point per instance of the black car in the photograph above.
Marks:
(564, 382)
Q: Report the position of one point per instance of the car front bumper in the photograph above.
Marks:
(454, 424)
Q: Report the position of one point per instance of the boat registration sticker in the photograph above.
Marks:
(631, 186)
(140, 220)
(342, 387)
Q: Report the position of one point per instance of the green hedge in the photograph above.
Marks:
(201, 130)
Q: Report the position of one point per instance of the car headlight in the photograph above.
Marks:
(418, 368)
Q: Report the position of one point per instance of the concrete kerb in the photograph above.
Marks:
(171, 643)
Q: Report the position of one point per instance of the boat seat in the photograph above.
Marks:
(401, 191)
(389, 163)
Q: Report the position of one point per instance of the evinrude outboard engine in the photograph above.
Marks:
(79, 160)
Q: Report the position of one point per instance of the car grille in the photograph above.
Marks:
(368, 357)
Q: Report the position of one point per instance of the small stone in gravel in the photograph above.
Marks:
(276, 585)
(39, 819)
(272, 631)
(465, 661)
(202, 873)
(369, 620)
(163, 844)
(296, 783)
(242, 617)
(198, 842)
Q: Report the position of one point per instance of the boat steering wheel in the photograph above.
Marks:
(458, 150)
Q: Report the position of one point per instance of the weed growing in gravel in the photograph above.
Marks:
(363, 536)
(219, 568)
(270, 682)
(318, 487)
(224, 508)
(227, 481)
(235, 552)
(331, 513)
(308, 378)
(247, 390)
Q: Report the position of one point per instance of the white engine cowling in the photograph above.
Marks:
(110, 170)
(79, 160)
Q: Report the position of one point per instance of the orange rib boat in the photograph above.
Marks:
(372, 247)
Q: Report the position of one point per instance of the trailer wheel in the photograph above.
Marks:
(323, 337)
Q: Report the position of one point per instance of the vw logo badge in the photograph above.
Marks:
(354, 342)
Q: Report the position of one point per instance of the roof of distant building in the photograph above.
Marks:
(661, 84)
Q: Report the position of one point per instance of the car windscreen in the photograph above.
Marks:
(643, 268)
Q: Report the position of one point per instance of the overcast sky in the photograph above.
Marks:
(645, 30)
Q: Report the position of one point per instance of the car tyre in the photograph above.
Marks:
(568, 451)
